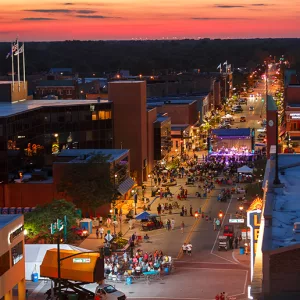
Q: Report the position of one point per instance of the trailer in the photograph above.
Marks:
(76, 270)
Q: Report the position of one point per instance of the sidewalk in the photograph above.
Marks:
(242, 259)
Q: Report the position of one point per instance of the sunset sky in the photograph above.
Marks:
(35, 20)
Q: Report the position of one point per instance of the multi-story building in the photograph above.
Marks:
(275, 232)
(33, 132)
(12, 261)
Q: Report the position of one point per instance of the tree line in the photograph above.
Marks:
(150, 57)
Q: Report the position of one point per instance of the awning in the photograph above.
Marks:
(125, 186)
(142, 216)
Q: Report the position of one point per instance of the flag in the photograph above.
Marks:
(13, 49)
(225, 63)
(219, 66)
(21, 49)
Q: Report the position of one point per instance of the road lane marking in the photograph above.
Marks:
(217, 237)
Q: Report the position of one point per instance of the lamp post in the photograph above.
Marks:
(135, 200)
(276, 180)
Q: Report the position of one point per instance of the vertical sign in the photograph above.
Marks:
(253, 222)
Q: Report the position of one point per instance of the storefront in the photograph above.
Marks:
(12, 262)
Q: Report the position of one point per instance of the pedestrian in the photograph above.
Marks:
(130, 224)
(189, 247)
(100, 220)
(97, 233)
(172, 223)
(159, 180)
(236, 242)
(168, 224)
(191, 210)
(101, 231)
(162, 208)
(184, 248)
(182, 227)
(120, 211)
(133, 237)
(185, 211)
(108, 222)
(170, 208)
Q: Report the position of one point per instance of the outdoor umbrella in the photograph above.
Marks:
(142, 216)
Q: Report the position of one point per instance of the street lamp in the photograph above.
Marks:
(241, 208)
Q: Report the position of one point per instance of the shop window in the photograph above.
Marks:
(16, 253)
(104, 114)
(4, 263)
(94, 116)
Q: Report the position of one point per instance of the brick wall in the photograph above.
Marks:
(285, 272)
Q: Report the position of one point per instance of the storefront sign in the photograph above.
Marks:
(238, 221)
(16, 233)
(253, 222)
(295, 116)
(79, 260)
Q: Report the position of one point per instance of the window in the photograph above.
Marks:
(69, 92)
(104, 114)
(94, 116)
(4, 263)
(16, 253)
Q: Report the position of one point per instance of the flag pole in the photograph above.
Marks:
(18, 59)
(24, 80)
(12, 68)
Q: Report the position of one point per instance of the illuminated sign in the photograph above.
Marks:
(256, 204)
(79, 260)
(239, 221)
(295, 116)
(253, 221)
(16, 233)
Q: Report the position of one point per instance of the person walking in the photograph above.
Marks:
(162, 208)
(97, 233)
(101, 232)
(172, 223)
(182, 227)
(168, 224)
(185, 211)
(189, 247)
(184, 247)
(191, 210)
(108, 222)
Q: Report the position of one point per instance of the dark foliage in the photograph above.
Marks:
(150, 57)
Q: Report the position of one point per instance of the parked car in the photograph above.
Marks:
(242, 119)
(80, 231)
(251, 108)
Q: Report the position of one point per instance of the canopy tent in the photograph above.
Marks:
(228, 116)
(35, 253)
(142, 216)
(245, 169)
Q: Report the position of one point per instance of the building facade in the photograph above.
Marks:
(63, 89)
(130, 123)
(12, 261)
(33, 132)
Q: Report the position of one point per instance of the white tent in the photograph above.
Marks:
(35, 253)
(228, 116)
(245, 169)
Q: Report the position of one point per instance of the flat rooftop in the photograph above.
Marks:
(76, 153)
(162, 102)
(286, 204)
(9, 109)
(6, 219)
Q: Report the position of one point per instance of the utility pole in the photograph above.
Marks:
(58, 266)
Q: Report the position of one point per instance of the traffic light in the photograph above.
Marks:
(221, 214)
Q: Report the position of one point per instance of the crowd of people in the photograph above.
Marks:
(122, 266)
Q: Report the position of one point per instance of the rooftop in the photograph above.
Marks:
(283, 203)
(6, 219)
(126, 81)
(161, 102)
(8, 109)
(85, 153)
(232, 132)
